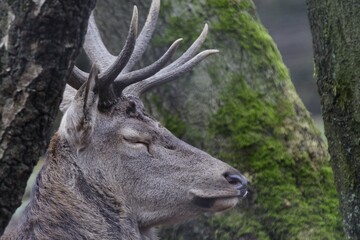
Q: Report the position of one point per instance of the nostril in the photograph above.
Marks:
(236, 180)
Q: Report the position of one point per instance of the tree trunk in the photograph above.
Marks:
(40, 40)
(242, 107)
(335, 27)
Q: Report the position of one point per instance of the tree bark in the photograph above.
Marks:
(242, 107)
(336, 39)
(40, 40)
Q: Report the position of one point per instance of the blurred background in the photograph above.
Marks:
(287, 23)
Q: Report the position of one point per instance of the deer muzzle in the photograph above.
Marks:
(239, 182)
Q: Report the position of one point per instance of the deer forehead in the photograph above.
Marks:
(125, 120)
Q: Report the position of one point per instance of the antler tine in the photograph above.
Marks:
(124, 80)
(183, 64)
(191, 52)
(162, 77)
(120, 62)
(94, 45)
(145, 35)
(95, 48)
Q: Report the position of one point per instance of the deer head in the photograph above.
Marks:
(159, 178)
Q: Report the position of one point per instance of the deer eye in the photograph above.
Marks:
(135, 142)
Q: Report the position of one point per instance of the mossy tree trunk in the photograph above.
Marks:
(335, 28)
(242, 107)
(39, 42)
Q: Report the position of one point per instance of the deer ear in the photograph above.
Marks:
(80, 111)
(86, 96)
(68, 96)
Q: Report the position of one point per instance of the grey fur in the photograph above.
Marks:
(117, 174)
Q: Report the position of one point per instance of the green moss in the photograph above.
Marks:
(297, 200)
(234, 226)
(236, 19)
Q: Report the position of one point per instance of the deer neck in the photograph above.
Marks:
(66, 203)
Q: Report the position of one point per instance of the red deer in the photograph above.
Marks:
(112, 171)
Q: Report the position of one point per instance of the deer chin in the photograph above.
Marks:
(215, 201)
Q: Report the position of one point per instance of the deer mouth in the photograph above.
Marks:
(216, 200)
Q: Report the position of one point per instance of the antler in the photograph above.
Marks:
(180, 66)
(118, 78)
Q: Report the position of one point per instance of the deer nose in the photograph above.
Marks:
(238, 181)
